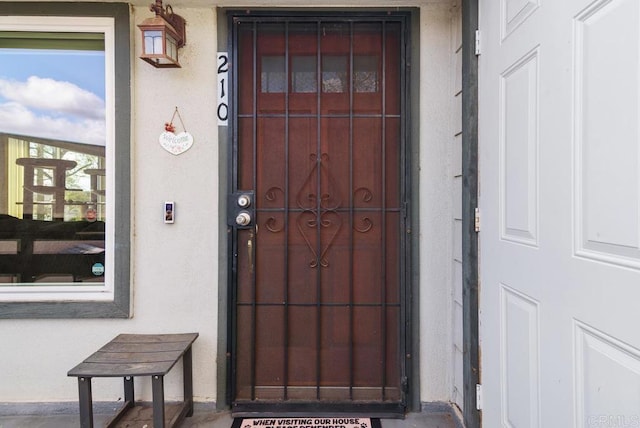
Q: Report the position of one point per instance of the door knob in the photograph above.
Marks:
(243, 219)
(241, 209)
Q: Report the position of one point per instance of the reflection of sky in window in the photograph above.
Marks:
(84, 68)
(53, 94)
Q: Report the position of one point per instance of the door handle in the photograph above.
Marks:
(250, 251)
(243, 218)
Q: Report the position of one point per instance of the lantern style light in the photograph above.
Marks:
(162, 36)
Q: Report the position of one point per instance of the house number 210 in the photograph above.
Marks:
(223, 89)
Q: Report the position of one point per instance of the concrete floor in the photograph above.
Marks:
(213, 419)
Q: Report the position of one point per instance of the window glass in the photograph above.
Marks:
(334, 73)
(57, 145)
(52, 145)
(304, 74)
(365, 73)
(272, 77)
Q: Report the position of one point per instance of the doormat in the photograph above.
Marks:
(302, 422)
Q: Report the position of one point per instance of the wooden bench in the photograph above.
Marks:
(130, 355)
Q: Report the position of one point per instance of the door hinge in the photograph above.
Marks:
(404, 389)
(477, 42)
(476, 220)
(405, 384)
(478, 397)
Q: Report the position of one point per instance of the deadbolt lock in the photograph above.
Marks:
(241, 209)
(244, 200)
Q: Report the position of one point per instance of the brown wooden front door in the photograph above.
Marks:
(318, 291)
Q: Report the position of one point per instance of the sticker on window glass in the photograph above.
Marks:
(97, 269)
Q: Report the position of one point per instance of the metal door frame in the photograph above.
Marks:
(470, 258)
(407, 341)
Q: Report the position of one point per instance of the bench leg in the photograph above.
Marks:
(86, 404)
(187, 379)
(157, 388)
(129, 394)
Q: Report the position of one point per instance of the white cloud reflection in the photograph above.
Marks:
(48, 108)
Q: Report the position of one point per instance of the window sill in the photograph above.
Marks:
(65, 309)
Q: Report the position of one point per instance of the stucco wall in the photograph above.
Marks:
(175, 272)
(175, 267)
(435, 203)
(456, 198)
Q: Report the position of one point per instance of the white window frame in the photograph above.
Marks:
(53, 292)
(111, 300)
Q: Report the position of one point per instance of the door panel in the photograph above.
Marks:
(319, 304)
(559, 242)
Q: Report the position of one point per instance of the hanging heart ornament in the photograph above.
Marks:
(175, 143)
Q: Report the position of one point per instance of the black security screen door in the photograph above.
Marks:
(319, 257)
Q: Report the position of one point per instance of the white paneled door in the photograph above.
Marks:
(559, 143)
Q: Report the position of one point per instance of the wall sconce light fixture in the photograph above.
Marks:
(162, 36)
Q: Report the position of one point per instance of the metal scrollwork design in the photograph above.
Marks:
(272, 225)
(325, 222)
(319, 211)
(307, 197)
(365, 193)
(271, 194)
(366, 225)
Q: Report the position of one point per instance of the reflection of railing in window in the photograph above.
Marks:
(95, 174)
(57, 189)
(52, 179)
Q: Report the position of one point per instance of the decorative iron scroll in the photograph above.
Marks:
(320, 210)
(367, 196)
(271, 225)
(310, 200)
(271, 193)
(366, 225)
(365, 193)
